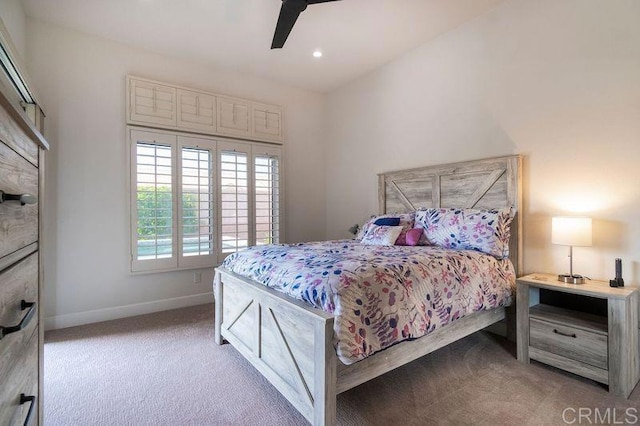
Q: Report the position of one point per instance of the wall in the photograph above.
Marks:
(14, 19)
(81, 80)
(556, 81)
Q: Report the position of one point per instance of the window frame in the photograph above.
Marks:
(245, 148)
(201, 260)
(178, 141)
(271, 152)
(158, 138)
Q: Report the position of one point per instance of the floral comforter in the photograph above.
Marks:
(380, 295)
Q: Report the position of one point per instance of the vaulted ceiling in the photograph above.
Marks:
(355, 36)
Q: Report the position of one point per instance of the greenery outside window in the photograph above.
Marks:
(195, 200)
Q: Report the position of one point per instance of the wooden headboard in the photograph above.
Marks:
(482, 184)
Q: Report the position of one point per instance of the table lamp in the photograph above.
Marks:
(572, 232)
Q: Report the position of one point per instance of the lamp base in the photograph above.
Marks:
(571, 279)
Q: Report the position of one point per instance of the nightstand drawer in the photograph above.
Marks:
(570, 342)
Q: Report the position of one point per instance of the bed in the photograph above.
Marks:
(294, 344)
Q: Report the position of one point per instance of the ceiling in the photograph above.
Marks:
(356, 36)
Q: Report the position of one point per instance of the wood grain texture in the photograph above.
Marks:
(384, 361)
(584, 354)
(218, 288)
(591, 288)
(570, 365)
(623, 347)
(21, 172)
(17, 255)
(18, 224)
(20, 282)
(325, 372)
(41, 275)
(22, 379)
(570, 342)
(14, 135)
(286, 339)
(522, 321)
(290, 343)
(580, 320)
(488, 183)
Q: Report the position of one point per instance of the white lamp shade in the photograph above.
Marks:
(571, 231)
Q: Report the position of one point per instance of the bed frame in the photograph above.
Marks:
(292, 345)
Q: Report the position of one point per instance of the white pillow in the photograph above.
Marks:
(381, 235)
(406, 220)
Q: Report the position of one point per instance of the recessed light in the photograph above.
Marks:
(317, 53)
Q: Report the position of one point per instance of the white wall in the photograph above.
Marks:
(15, 20)
(81, 80)
(557, 81)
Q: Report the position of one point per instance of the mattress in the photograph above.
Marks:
(380, 295)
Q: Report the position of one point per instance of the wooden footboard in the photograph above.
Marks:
(289, 343)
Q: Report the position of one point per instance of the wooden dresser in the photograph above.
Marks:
(21, 157)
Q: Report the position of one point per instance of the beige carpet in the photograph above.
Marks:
(164, 369)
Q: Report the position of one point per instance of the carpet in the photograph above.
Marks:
(165, 369)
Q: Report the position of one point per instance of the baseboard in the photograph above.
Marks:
(116, 312)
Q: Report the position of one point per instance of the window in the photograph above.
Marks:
(196, 227)
(234, 196)
(196, 200)
(267, 196)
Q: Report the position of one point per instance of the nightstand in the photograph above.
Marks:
(602, 347)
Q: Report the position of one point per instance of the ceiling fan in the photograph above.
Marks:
(289, 13)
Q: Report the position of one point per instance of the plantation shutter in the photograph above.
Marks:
(195, 200)
(266, 166)
(153, 218)
(233, 160)
(197, 225)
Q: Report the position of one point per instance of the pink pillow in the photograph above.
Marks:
(413, 236)
(409, 238)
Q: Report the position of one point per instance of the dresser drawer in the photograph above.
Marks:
(18, 224)
(22, 379)
(17, 283)
(570, 342)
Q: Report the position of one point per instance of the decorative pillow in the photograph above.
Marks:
(487, 231)
(413, 236)
(406, 221)
(381, 235)
(410, 237)
(387, 221)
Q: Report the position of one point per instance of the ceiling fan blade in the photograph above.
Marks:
(288, 17)
(319, 1)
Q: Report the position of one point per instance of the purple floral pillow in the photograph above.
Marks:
(487, 231)
(380, 235)
(406, 221)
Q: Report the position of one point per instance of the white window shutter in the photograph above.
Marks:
(196, 204)
(153, 174)
(266, 166)
(234, 199)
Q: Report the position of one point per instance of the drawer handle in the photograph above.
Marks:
(23, 323)
(23, 198)
(565, 334)
(23, 400)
